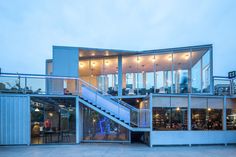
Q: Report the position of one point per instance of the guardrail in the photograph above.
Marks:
(11, 83)
(224, 86)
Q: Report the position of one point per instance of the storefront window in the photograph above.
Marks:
(169, 118)
(52, 120)
(170, 113)
(97, 127)
(231, 114)
(207, 114)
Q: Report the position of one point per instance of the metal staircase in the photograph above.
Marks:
(113, 108)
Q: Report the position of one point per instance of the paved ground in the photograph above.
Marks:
(116, 150)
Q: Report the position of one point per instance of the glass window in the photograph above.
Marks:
(201, 70)
(53, 120)
(207, 113)
(150, 82)
(97, 127)
(196, 78)
(181, 72)
(231, 114)
(206, 72)
(101, 73)
(169, 118)
(172, 116)
(163, 73)
(129, 67)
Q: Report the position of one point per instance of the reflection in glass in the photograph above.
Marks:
(101, 73)
(206, 72)
(196, 78)
(169, 118)
(52, 120)
(207, 119)
(231, 119)
(181, 72)
(97, 127)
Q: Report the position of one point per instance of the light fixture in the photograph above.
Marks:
(177, 109)
(107, 53)
(209, 109)
(94, 120)
(186, 56)
(107, 63)
(50, 114)
(138, 60)
(137, 100)
(153, 59)
(93, 54)
(81, 65)
(93, 64)
(61, 106)
(37, 109)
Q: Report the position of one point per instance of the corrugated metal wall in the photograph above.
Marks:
(14, 119)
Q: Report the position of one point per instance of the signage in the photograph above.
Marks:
(231, 74)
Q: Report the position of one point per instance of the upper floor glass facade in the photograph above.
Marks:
(180, 70)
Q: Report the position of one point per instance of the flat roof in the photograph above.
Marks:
(88, 51)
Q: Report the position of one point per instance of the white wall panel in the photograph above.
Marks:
(65, 61)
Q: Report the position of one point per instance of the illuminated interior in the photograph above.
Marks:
(150, 72)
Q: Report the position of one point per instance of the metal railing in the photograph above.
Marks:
(11, 83)
(224, 86)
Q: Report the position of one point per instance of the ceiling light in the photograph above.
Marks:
(37, 109)
(61, 106)
(50, 114)
(186, 57)
(81, 65)
(170, 58)
(107, 53)
(177, 109)
(138, 60)
(107, 63)
(153, 59)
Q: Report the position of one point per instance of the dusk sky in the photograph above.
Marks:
(29, 29)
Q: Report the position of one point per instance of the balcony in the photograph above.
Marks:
(224, 86)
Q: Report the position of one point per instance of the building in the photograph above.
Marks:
(157, 97)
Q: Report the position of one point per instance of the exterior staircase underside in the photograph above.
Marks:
(110, 115)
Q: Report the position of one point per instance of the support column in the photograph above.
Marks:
(189, 113)
(211, 71)
(120, 75)
(77, 120)
(224, 120)
(150, 110)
